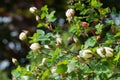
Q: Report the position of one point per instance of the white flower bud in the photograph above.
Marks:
(32, 9)
(14, 60)
(58, 40)
(70, 13)
(105, 52)
(35, 47)
(86, 54)
(23, 36)
(109, 51)
(46, 46)
(37, 18)
(101, 52)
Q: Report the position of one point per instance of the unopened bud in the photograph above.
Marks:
(23, 35)
(70, 13)
(84, 24)
(32, 9)
(35, 47)
(109, 51)
(101, 52)
(58, 40)
(37, 18)
(86, 54)
(105, 52)
(14, 60)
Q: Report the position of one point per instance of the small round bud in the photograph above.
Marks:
(32, 9)
(70, 13)
(35, 47)
(23, 35)
(86, 54)
(84, 24)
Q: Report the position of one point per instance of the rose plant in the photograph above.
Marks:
(87, 50)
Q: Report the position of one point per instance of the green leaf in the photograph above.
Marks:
(103, 11)
(17, 72)
(99, 28)
(41, 32)
(117, 34)
(62, 68)
(90, 42)
(95, 4)
(49, 34)
(51, 17)
(41, 24)
(44, 8)
(45, 74)
(117, 57)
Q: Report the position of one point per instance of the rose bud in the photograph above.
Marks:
(70, 13)
(58, 40)
(84, 24)
(14, 61)
(105, 52)
(23, 35)
(109, 52)
(37, 18)
(86, 54)
(32, 9)
(35, 47)
(101, 52)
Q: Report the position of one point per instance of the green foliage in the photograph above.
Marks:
(59, 57)
(90, 42)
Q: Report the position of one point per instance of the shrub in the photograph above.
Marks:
(74, 53)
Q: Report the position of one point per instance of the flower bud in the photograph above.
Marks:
(14, 60)
(35, 47)
(32, 9)
(84, 24)
(101, 52)
(23, 35)
(105, 52)
(70, 13)
(37, 18)
(109, 52)
(58, 40)
(86, 54)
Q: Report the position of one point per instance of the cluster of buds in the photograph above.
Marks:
(32, 9)
(105, 52)
(23, 36)
(35, 47)
(86, 54)
(70, 13)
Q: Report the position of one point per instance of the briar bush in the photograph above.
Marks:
(86, 49)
